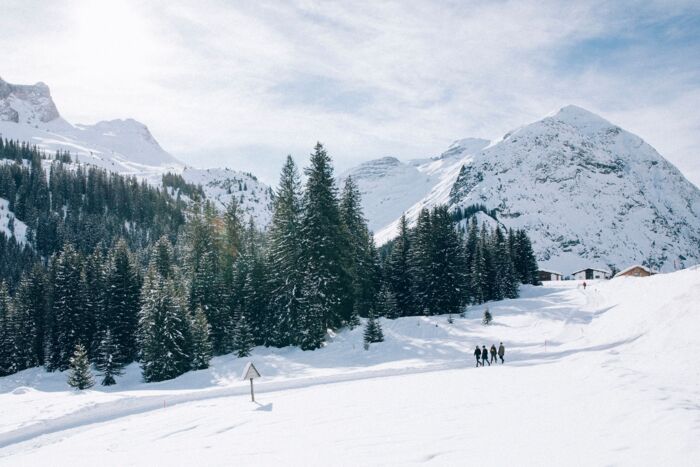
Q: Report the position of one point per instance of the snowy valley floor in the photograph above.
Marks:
(618, 383)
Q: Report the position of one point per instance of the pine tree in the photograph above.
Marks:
(7, 337)
(108, 359)
(362, 262)
(421, 263)
(387, 304)
(284, 253)
(201, 347)
(121, 301)
(25, 322)
(80, 373)
(327, 286)
(164, 330)
(243, 343)
(399, 271)
(373, 330)
(67, 310)
(202, 268)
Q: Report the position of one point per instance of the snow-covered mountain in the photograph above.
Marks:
(588, 192)
(28, 113)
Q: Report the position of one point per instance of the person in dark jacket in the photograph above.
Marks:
(477, 354)
(501, 352)
(485, 356)
(494, 359)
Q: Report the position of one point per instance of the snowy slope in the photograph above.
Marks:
(11, 226)
(27, 113)
(588, 192)
(585, 375)
(389, 186)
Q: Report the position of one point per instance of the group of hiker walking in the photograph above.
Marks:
(482, 354)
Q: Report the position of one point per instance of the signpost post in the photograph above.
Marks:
(250, 372)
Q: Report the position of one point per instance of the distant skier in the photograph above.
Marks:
(494, 359)
(477, 354)
(501, 352)
(584, 285)
(485, 356)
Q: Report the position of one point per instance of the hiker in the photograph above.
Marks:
(477, 354)
(485, 356)
(493, 354)
(501, 352)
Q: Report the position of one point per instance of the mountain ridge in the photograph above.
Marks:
(125, 146)
(590, 193)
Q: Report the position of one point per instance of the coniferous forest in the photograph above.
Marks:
(114, 270)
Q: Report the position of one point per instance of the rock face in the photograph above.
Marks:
(588, 192)
(26, 103)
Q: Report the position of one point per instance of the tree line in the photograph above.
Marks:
(170, 294)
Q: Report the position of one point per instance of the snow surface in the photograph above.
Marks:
(602, 376)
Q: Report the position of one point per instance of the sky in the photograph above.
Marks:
(243, 84)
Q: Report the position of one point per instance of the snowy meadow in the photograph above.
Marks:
(592, 377)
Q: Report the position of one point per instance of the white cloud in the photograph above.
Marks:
(245, 83)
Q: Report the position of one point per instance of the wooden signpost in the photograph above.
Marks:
(250, 372)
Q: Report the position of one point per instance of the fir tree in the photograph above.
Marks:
(243, 343)
(108, 359)
(201, 347)
(68, 311)
(284, 253)
(327, 288)
(121, 301)
(80, 373)
(387, 303)
(164, 330)
(7, 349)
(373, 330)
(399, 271)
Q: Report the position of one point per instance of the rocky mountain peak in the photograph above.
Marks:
(26, 103)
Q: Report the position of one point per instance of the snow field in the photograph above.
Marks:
(618, 384)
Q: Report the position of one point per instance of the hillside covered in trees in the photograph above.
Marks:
(127, 272)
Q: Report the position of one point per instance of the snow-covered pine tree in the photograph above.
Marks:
(24, 323)
(7, 350)
(399, 271)
(80, 376)
(67, 310)
(529, 272)
(121, 301)
(243, 342)
(284, 252)
(479, 273)
(373, 330)
(362, 260)
(387, 303)
(470, 246)
(327, 285)
(421, 262)
(107, 361)
(201, 346)
(506, 285)
(447, 292)
(202, 268)
(231, 243)
(164, 330)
